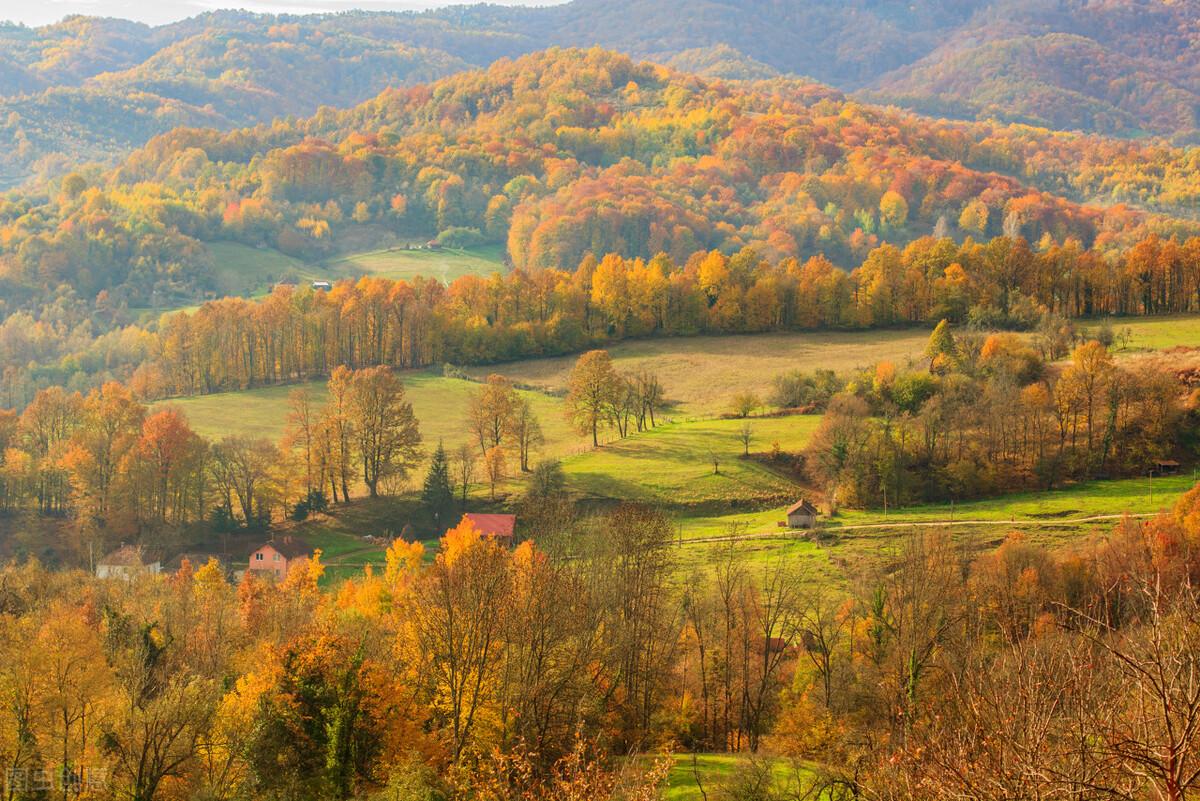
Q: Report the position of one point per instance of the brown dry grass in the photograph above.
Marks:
(702, 374)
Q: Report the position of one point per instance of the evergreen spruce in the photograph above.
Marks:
(438, 492)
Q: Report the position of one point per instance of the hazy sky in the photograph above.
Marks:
(41, 12)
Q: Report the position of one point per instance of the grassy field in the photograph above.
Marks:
(1157, 333)
(1085, 499)
(672, 465)
(702, 374)
(854, 540)
(439, 403)
(709, 775)
(243, 270)
(445, 264)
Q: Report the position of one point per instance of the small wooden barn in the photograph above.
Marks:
(802, 514)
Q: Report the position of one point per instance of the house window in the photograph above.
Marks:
(275, 558)
(258, 557)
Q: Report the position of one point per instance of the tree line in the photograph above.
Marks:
(295, 334)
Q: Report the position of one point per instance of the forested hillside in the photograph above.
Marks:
(95, 88)
(92, 89)
(564, 157)
(1117, 67)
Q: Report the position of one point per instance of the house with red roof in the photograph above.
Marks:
(498, 527)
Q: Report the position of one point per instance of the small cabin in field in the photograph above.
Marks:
(323, 286)
(498, 527)
(127, 562)
(1166, 467)
(277, 557)
(802, 514)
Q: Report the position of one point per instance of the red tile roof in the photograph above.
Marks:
(493, 525)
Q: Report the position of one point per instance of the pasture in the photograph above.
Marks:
(701, 374)
(444, 264)
(1157, 333)
(243, 271)
(439, 403)
(673, 465)
(695, 777)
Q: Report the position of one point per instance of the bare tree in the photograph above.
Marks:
(464, 468)
(745, 435)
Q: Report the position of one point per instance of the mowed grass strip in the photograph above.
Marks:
(1052, 507)
(1083, 499)
(672, 465)
(701, 374)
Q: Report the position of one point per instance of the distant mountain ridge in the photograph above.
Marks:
(90, 88)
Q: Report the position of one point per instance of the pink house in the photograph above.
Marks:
(277, 557)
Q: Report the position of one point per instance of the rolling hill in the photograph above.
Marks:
(93, 89)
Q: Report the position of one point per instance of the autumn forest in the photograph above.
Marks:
(747, 402)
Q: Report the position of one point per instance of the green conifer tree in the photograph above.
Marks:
(438, 492)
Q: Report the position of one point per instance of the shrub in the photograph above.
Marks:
(460, 237)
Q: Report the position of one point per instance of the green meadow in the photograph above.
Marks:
(439, 403)
(693, 464)
(696, 777)
(1157, 333)
(396, 263)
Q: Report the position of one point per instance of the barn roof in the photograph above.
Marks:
(802, 505)
(493, 525)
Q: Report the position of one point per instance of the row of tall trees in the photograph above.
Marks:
(294, 334)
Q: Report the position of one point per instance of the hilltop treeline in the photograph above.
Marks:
(530, 673)
(95, 88)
